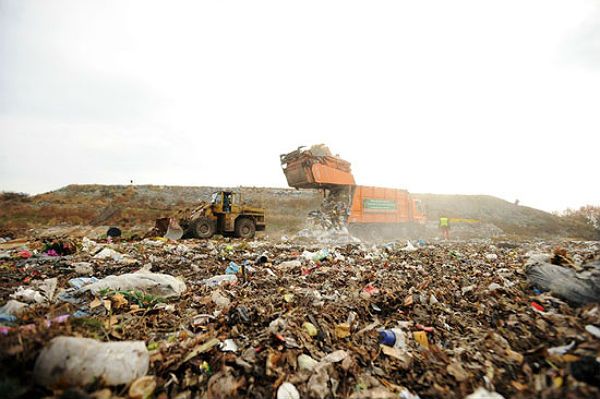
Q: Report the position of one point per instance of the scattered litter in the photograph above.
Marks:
(352, 320)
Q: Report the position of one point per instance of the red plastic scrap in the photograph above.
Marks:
(537, 306)
(370, 289)
(424, 328)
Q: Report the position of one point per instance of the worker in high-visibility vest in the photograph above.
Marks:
(445, 227)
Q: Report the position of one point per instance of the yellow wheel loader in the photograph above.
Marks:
(225, 214)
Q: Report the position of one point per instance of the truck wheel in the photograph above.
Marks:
(245, 228)
(203, 227)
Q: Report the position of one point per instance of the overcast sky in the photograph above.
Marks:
(477, 97)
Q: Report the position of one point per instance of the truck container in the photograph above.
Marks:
(315, 167)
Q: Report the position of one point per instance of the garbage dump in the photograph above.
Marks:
(296, 319)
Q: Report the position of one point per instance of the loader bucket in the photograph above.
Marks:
(168, 228)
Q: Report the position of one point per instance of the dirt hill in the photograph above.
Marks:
(512, 219)
(138, 206)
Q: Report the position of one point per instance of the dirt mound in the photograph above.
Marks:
(287, 210)
(512, 219)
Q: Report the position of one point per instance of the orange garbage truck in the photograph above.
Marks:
(364, 208)
(380, 211)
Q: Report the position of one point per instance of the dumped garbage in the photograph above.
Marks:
(72, 361)
(307, 319)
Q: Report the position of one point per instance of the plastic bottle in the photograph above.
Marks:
(393, 337)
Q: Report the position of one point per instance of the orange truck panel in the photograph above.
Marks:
(316, 168)
(383, 205)
(325, 174)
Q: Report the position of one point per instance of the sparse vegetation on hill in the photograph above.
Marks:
(139, 206)
(511, 218)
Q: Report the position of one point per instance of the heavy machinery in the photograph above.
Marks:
(225, 214)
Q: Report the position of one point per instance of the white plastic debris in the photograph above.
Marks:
(482, 393)
(228, 345)
(290, 264)
(179, 249)
(494, 287)
(561, 350)
(491, 257)
(220, 300)
(75, 361)
(162, 285)
(109, 253)
(80, 282)
(83, 268)
(28, 295)
(45, 292)
(409, 247)
(218, 280)
(307, 255)
(153, 243)
(13, 307)
(306, 362)
(90, 245)
(335, 357)
(595, 331)
(287, 391)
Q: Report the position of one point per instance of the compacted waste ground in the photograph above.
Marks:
(264, 319)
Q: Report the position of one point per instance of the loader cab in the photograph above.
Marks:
(226, 201)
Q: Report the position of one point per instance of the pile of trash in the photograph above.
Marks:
(227, 318)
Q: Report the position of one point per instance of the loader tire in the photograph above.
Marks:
(245, 228)
(203, 227)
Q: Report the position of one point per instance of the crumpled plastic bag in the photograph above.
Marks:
(74, 361)
(576, 287)
(157, 284)
(45, 292)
